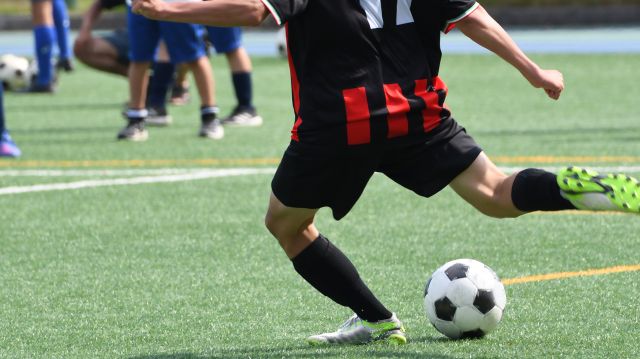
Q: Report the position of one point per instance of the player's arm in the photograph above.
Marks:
(212, 12)
(480, 27)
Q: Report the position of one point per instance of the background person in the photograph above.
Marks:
(8, 148)
(44, 35)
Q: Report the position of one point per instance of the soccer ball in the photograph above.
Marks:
(15, 72)
(464, 299)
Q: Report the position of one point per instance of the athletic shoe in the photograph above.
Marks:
(211, 129)
(134, 131)
(37, 88)
(358, 331)
(8, 148)
(589, 190)
(179, 95)
(158, 117)
(64, 64)
(243, 117)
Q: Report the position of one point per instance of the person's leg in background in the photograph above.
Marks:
(162, 74)
(62, 26)
(229, 42)
(44, 35)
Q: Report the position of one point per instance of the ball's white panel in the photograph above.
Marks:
(499, 295)
(482, 277)
(491, 320)
(438, 285)
(462, 292)
(448, 329)
(467, 318)
(430, 310)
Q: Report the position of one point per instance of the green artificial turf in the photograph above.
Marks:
(187, 269)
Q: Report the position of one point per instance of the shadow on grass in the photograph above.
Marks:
(377, 350)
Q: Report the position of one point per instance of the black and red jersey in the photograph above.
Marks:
(365, 71)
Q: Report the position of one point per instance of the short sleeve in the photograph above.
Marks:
(284, 10)
(456, 10)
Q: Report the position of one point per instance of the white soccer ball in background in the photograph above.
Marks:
(464, 299)
(15, 72)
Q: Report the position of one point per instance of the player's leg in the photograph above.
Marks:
(144, 36)
(7, 147)
(495, 194)
(229, 42)
(44, 35)
(185, 45)
(61, 22)
(307, 180)
(109, 53)
(180, 89)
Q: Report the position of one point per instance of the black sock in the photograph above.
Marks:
(537, 190)
(242, 85)
(329, 271)
(208, 113)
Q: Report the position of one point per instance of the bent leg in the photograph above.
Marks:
(101, 55)
(319, 262)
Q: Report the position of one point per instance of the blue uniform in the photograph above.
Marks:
(225, 39)
(184, 41)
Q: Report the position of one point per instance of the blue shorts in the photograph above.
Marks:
(225, 39)
(184, 41)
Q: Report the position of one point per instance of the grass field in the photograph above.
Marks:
(186, 269)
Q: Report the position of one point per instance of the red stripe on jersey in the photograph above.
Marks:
(358, 117)
(295, 91)
(431, 113)
(398, 106)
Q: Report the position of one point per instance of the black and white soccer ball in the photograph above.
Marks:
(464, 299)
(16, 72)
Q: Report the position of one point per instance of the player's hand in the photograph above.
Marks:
(551, 81)
(153, 9)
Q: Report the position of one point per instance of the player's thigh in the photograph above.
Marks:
(42, 12)
(309, 177)
(225, 39)
(144, 35)
(115, 44)
(184, 41)
(486, 187)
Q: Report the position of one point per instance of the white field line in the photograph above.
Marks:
(136, 180)
(166, 175)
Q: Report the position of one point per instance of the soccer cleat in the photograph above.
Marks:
(133, 131)
(211, 129)
(158, 117)
(358, 331)
(8, 148)
(589, 190)
(243, 117)
(179, 95)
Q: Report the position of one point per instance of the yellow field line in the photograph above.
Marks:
(564, 275)
(274, 161)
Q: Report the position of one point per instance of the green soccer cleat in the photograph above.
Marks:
(357, 331)
(589, 190)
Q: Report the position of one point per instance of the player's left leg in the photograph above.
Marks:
(229, 42)
(495, 194)
(61, 22)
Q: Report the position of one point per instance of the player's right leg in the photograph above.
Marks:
(44, 35)
(328, 270)
(309, 178)
(144, 35)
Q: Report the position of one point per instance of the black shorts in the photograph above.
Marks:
(120, 40)
(309, 177)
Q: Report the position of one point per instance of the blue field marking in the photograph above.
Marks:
(571, 41)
